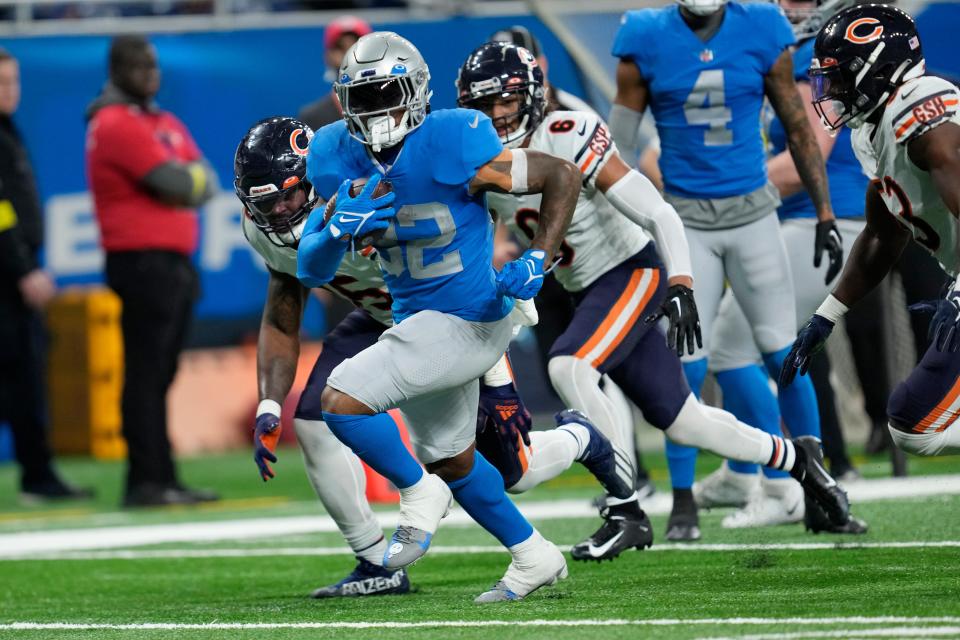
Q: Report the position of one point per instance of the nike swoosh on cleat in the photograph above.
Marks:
(476, 121)
(606, 546)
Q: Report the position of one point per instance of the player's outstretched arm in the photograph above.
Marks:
(526, 171)
(875, 251)
(938, 152)
(278, 347)
(628, 107)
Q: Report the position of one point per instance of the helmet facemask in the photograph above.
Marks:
(848, 93)
(373, 105)
(282, 229)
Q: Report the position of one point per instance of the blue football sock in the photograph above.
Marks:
(376, 440)
(481, 494)
(681, 460)
(747, 395)
(798, 402)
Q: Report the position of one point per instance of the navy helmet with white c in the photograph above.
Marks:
(498, 70)
(269, 165)
(860, 57)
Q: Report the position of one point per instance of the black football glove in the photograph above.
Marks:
(944, 331)
(681, 309)
(811, 339)
(828, 238)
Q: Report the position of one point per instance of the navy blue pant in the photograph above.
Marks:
(609, 330)
(926, 402)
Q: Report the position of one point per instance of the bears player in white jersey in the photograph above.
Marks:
(271, 182)
(868, 74)
(705, 83)
(609, 262)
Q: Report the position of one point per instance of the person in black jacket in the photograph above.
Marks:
(25, 290)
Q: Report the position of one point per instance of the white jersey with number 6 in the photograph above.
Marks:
(909, 193)
(599, 237)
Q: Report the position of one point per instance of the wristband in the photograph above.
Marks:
(832, 309)
(268, 406)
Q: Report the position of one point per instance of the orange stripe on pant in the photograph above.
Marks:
(618, 308)
(939, 410)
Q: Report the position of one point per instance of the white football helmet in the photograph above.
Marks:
(382, 74)
(702, 7)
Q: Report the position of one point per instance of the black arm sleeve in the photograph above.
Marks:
(183, 184)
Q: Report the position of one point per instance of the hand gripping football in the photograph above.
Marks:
(356, 187)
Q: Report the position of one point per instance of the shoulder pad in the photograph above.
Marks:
(920, 105)
(581, 137)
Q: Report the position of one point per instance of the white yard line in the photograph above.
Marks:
(168, 554)
(886, 632)
(661, 622)
(26, 543)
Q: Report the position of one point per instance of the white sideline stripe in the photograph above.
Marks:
(152, 554)
(13, 545)
(662, 622)
(895, 632)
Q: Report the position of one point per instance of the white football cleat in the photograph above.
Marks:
(780, 502)
(422, 506)
(537, 562)
(726, 488)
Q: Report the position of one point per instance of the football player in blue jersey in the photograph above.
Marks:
(778, 502)
(705, 83)
(452, 311)
(782, 502)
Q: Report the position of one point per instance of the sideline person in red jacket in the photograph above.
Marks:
(147, 177)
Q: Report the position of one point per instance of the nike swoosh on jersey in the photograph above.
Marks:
(582, 130)
(602, 549)
(907, 93)
(476, 121)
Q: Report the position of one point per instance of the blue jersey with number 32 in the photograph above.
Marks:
(438, 252)
(706, 97)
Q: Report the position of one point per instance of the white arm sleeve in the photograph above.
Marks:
(625, 129)
(636, 198)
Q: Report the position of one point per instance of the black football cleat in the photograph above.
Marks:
(816, 521)
(53, 489)
(624, 527)
(598, 457)
(684, 522)
(367, 579)
(817, 482)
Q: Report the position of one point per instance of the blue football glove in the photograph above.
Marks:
(355, 217)
(523, 277)
(266, 435)
(811, 339)
(944, 331)
(503, 407)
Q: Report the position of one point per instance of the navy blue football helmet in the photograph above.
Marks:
(497, 70)
(269, 165)
(860, 57)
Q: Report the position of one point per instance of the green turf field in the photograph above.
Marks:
(900, 580)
